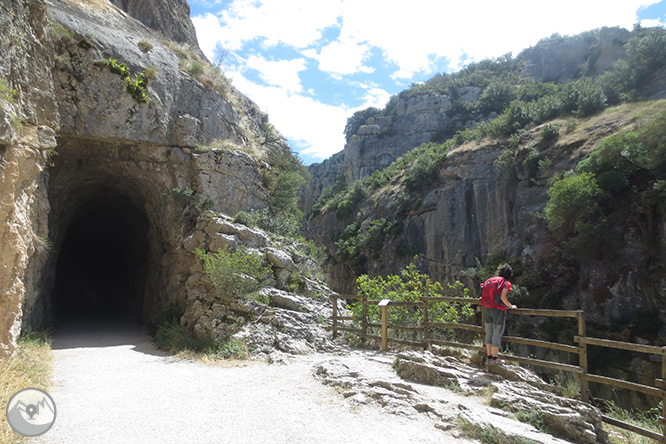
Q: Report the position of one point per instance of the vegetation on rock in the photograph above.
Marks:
(234, 273)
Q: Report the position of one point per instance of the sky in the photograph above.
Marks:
(310, 64)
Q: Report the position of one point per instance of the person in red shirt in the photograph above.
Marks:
(494, 297)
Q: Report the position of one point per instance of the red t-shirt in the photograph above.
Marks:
(490, 287)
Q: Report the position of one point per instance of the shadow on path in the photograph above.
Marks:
(101, 332)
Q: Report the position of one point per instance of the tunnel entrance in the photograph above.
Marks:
(102, 261)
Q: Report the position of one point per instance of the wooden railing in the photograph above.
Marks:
(580, 371)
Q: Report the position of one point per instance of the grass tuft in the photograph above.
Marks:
(30, 366)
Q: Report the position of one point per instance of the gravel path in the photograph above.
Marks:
(111, 385)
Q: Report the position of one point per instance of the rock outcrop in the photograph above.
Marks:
(452, 395)
(274, 322)
(561, 59)
(171, 19)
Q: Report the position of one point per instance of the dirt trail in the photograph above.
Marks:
(111, 385)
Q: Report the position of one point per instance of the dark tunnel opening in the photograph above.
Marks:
(102, 262)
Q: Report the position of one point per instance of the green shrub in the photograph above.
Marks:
(550, 131)
(424, 170)
(174, 339)
(170, 336)
(234, 273)
(573, 202)
(118, 68)
(409, 285)
(344, 209)
(283, 181)
(247, 219)
(497, 96)
(137, 87)
(531, 164)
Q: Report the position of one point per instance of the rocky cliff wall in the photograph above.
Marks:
(382, 139)
(481, 204)
(99, 188)
(28, 123)
(171, 19)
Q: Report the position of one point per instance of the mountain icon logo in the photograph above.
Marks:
(31, 412)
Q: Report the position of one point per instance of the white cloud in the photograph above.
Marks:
(295, 23)
(208, 28)
(280, 73)
(418, 37)
(343, 58)
(298, 117)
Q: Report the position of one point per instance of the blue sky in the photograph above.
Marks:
(310, 64)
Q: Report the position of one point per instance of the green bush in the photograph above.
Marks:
(497, 96)
(118, 68)
(344, 209)
(550, 131)
(409, 285)
(573, 206)
(283, 181)
(234, 274)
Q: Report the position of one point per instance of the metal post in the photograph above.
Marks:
(582, 356)
(384, 306)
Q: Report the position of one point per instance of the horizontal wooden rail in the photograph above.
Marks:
(621, 345)
(393, 327)
(457, 300)
(549, 313)
(454, 344)
(625, 384)
(406, 304)
(540, 363)
(544, 344)
(350, 296)
(346, 318)
(405, 342)
(633, 428)
(351, 329)
(454, 325)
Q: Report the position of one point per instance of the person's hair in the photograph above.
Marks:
(505, 271)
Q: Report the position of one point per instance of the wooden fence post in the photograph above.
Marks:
(582, 359)
(335, 316)
(425, 325)
(663, 393)
(364, 320)
(384, 306)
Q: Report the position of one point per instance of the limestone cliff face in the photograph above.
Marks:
(171, 19)
(561, 59)
(99, 189)
(28, 123)
(478, 206)
(382, 139)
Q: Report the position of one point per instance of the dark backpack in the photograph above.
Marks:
(492, 289)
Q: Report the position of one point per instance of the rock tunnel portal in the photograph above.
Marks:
(106, 229)
(102, 261)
